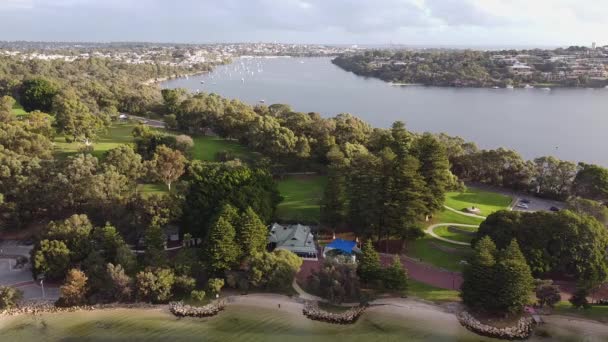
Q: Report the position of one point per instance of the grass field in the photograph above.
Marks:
(206, 148)
(448, 216)
(487, 202)
(302, 196)
(18, 109)
(595, 312)
(438, 253)
(116, 135)
(443, 231)
(151, 189)
(428, 292)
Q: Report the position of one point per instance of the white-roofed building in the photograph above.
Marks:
(294, 238)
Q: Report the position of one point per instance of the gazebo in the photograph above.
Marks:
(344, 247)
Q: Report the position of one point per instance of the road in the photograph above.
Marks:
(149, 122)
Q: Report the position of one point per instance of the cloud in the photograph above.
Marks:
(356, 21)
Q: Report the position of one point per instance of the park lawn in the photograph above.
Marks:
(595, 312)
(443, 231)
(152, 189)
(431, 293)
(18, 109)
(448, 216)
(438, 253)
(206, 148)
(487, 202)
(301, 198)
(118, 134)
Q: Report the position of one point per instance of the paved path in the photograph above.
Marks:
(425, 273)
(430, 231)
(464, 214)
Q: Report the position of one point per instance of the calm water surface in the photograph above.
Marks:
(242, 323)
(568, 123)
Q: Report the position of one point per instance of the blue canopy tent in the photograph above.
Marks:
(342, 246)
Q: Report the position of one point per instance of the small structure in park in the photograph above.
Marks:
(473, 210)
(341, 247)
(294, 238)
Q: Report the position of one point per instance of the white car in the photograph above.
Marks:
(522, 205)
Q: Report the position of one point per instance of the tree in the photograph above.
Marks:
(125, 161)
(252, 234)
(167, 165)
(579, 298)
(222, 252)
(121, 284)
(154, 285)
(395, 276)
(9, 297)
(514, 280)
(6, 109)
(368, 266)
(214, 286)
(74, 118)
(50, 258)
(435, 170)
(74, 290)
(155, 246)
(334, 206)
(273, 271)
(548, 294)
(589, 207)
(336, 281)
(37, 94)
(74, 232)
(554, 242)
(478, 289)
(591, 182)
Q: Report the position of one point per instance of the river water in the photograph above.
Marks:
(254, 323)
(568, 123)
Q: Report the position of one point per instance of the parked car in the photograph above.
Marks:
(522, 205)
(554, 209)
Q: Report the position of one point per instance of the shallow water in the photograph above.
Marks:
(246, 323)
(567, 123)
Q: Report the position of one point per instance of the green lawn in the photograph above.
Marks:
(438, 253)
(206, 148)
(151, 189)
(595, 312)
(443, 231)
(18, 109)
(116, 135)
(428, 292)
(448, 216)
(302, 196)
(488, 202)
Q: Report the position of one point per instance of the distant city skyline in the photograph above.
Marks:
(448, 23)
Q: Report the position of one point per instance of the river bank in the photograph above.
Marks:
(263, 317)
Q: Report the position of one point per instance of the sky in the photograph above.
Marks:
(503, 23)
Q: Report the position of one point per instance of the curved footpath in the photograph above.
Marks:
(430, 230)
(464, 214)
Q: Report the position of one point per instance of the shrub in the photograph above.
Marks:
(183, 285)
(73, 291)
(9, 296)
(548, 294)
(215, 286)
(579, 299)
(197, 295)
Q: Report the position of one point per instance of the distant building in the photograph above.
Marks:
(294, 238)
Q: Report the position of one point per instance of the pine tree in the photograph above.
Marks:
(513, 279)
(435, 169)
(334, 206)
(222, 250)
(478, 287)
(252, 235)
(395, 276)
(407, 202)
(368, 266)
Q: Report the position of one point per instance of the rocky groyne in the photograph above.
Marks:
(520, 331)
(180, 309)
(43, 307)
(350, 316)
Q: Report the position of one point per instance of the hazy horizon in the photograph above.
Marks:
(427, 23)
